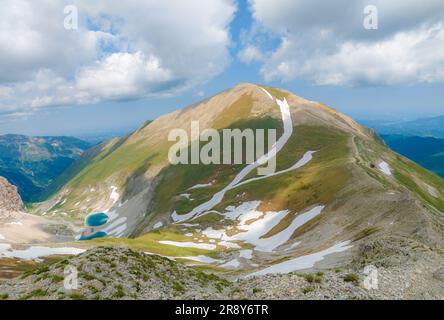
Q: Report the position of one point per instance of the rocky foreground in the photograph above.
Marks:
(414, 272)
(115, 273)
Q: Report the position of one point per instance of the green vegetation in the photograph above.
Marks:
(409, 174)
(120, 293)
(351, 277)
(406, 172)
(319, 277)
(131, 156)
(307, 289)
(313, 278)
(309, 277)
(149, 242)
(317, 182)
(34, 294)
(76, 296)
(279, 94)
(178, 287)
(240, 109)
(56, 278)
(179, 178)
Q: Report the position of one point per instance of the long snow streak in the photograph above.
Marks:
(237, 181)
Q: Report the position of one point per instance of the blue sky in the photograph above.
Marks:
(128, 62)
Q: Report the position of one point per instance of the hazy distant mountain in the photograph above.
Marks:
(427, 127)
(428, 152)
(32, 163)
(102, 136)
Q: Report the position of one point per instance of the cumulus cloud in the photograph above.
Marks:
(250, 54)
(123, 75)
(325, 41)
(32, 38)
(121, 50)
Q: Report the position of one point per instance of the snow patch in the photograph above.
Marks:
(14, 223)
(218, 196)
(247, 254)
(271, 243)
(157, 225)
(385, 168)
(231, 264)
(303, 262)
(252, 233)
(268, 94)
(433, 192)
(294, 245)
(200, 185)
(260, 223)
(204, 246)
(116, 227)
(118, 231)
(229, 245)
(189, 224)
(201, 258)
(212, 233)
(35, 252)
(114, 196)
(306, 158)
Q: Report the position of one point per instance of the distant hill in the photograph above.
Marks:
(427, 151)
(32, 163)
(426, 127)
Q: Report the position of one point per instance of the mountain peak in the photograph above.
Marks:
(334, 187)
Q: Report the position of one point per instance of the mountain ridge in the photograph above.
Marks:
(363, 189)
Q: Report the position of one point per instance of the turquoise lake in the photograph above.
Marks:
(99, 234)
(96, 219)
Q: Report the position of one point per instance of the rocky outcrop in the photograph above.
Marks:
(116, 273)
(9, 198)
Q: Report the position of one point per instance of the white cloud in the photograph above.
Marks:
(32, 37)
(122, 50)
(122, 75)
(250, 54)
(325, 42)
(200, 93)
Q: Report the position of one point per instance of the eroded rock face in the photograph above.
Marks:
(9, 198)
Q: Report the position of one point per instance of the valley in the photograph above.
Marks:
(33, 163)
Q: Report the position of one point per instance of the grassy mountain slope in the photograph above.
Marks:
(365, 191)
